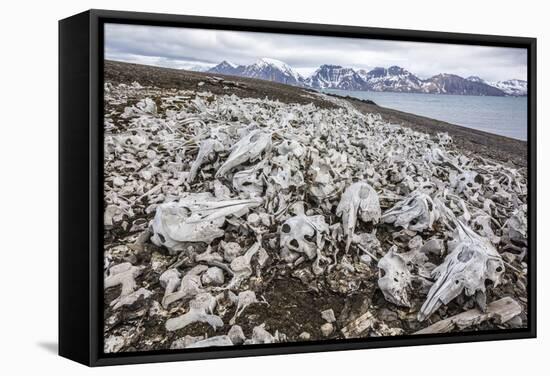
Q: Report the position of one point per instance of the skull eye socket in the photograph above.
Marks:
(285, 228)
(499, 269)
(162, 238)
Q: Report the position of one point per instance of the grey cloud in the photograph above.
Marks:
(182, 48)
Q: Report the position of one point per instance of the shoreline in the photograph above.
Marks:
(501, 148)
(488, 145)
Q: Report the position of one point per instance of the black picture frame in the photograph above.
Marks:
(81, 185)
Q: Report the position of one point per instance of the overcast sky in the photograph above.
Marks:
(190, 48)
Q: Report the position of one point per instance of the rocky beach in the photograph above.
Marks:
(240, 211)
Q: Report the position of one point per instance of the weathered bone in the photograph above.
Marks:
(417, 213)
(358, 197)
(502, 311)
(201, 309)
(170, 280)
(396, 281)
(236, 335)
(260, 336)
(249, 148)
(482, 223)
(231, 250)
(131, 298)
(125, 275)
(241, 266)
(516, 227)
(207, 148)
(213, 276)
(303, 234)
(223, 340)
(244, 299)
(444, 139)
(464, 182)
(195, 218)
(471, 262)
(249, 181)
(190, 286)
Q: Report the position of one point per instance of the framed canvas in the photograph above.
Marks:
(236, 187)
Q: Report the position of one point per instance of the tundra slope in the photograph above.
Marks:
(286, 219)
(504, 149)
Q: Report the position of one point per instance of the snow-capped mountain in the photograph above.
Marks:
(392, 79)
(452, 84)
(264, 69)
(273, 70)
(226, 67)
(476, 79)
(336, 77)
(513, 87)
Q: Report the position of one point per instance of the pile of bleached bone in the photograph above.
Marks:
(234, 186)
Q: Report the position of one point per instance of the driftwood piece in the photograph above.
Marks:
(501, 310)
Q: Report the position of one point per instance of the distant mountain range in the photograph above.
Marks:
(392, 79)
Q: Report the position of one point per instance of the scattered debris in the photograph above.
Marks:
(327, 329)
(328, 315)
(221, 209)
(502, 311)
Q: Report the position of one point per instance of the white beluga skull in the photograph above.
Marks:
(322, 185)
(395, 282)
(250, 181)
(516, 227)
(417, 212)
(465, 181)
(249, 148)
(147, 105)
(472, 261)
(197, 217)
(481, 222)
(359, 198)
(291, 147)
(444, 139)
(207, 149)
(303, 234)
(439, 157)
(144, 106)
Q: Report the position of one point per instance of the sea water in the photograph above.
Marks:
(505, 116)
